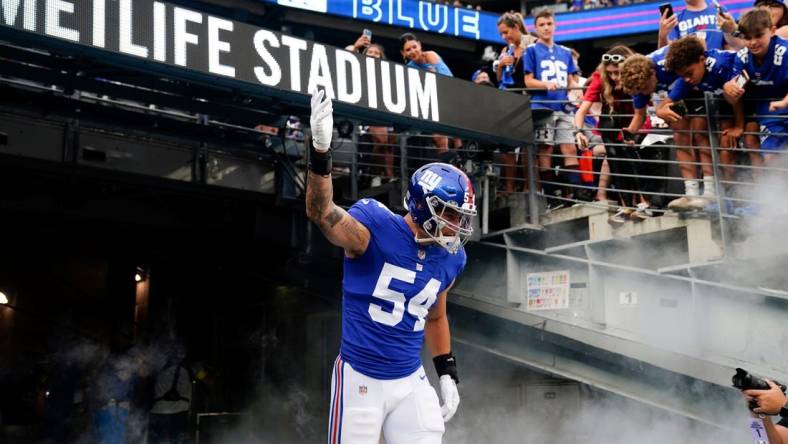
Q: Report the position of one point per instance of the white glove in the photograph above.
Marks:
(451, 397)
(321, 121)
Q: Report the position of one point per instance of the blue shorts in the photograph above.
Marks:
(775, 135)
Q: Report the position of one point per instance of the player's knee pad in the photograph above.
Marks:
(361, 425)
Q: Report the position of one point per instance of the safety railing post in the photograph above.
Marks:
(533, 202)
(403, 165)
(485, 201)
(354, 163)
(713, 130)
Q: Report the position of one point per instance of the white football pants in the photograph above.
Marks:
(406, 410)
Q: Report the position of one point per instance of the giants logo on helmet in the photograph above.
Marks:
(429, 181)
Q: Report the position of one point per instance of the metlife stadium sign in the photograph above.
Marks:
(429, 16)
(185, 42)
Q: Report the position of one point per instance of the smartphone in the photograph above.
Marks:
(666, 6)
(720, 8)
(680, 108)
(367, 33)
(742, 79)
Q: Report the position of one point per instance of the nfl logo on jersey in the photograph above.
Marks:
(362, 390)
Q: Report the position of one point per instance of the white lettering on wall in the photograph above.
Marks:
(10, 12)
(159, 31)
(261, 38)
(319, 72)
(126, 44)
(296, 46)
(349, 88)
(437, 17)
(181, 17)
(54, 8)
(423, 97)
(372, 83)
(386, 84)
(217, 46)
(99, 23)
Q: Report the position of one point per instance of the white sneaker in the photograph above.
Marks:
(687, 203)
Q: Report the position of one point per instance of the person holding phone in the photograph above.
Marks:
(700, 70)
(361, 43)
(762, 62)
(698, 18)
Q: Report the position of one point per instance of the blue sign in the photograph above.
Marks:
(412, 14)
(423, 15)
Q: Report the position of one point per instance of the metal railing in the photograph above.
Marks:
(379, 159)
(646, 172)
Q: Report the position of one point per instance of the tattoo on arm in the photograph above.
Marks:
(340, 230)
(319, 195)
(334, 217)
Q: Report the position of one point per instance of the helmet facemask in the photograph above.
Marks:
(448, 215)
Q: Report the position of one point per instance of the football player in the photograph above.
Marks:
(397, 273)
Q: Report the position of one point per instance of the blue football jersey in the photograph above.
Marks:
(769, 79)
(665, 78)
(702, 24)
(550, 64)
(719, 69)
(387, 293)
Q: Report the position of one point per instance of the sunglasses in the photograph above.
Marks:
(615, 58)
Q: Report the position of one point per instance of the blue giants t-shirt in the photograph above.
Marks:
(550, 64)
(702, 24)
(719, 69)
(665, 78)
(387, 293)
(769, 79)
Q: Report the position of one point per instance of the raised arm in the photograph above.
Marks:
(666, 25)
(339, 227)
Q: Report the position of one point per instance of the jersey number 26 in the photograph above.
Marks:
(418, 306)
(554, 71)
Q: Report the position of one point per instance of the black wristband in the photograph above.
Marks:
(319, 163)
(446, 365)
